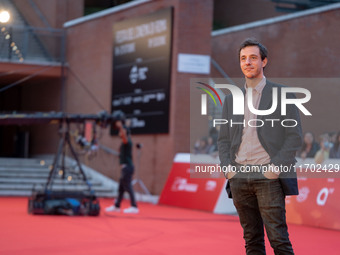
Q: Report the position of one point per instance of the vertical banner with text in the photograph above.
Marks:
(141, 71)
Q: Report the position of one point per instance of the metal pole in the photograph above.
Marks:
(63, 73)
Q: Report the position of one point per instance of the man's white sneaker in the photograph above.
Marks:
(132, 209)
(112, 208)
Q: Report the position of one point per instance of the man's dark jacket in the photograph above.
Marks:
(281, 143)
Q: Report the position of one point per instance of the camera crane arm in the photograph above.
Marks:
(103, 119)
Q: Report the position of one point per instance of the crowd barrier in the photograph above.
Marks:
(202, 192)
(316, 205)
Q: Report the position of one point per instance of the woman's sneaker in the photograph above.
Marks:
(132, 209)
(112, 208)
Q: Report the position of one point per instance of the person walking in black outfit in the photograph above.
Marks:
(127, 167)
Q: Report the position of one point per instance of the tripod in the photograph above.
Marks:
(137, 180)
(66, 201)
(65, 142)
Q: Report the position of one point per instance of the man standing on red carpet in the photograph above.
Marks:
(254, 155)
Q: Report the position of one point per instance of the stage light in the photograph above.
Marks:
(4, 16)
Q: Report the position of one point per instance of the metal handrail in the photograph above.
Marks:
(27, 44)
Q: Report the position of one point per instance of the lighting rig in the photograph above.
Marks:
(69, 202)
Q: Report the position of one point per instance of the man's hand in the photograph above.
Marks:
(230, 173)
(273, 172)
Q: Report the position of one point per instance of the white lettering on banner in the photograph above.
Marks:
(181, 184)
(135, 99)
(124, 35)
(125, 48)
(210, 185)
(323, 195)
(140, 31)
(156, 41)
(136, 123)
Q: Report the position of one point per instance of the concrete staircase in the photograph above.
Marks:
(19, 176)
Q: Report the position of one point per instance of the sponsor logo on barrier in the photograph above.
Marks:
(322, 197)
(181, 184)
(303, 194)
(210, 185)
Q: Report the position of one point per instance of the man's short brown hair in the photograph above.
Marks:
(253, 42)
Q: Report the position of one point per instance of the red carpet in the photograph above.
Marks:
(155, 230)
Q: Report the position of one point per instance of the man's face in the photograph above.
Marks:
(251, 62)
